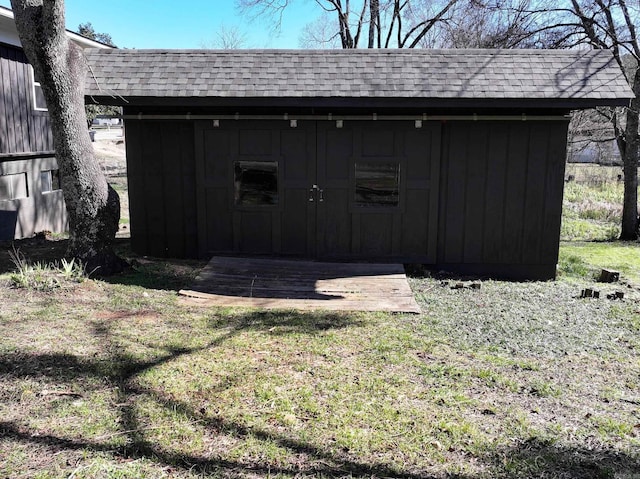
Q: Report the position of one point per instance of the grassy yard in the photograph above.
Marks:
(592, 203)
(120, 379)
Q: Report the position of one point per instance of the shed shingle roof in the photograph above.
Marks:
(585, 75)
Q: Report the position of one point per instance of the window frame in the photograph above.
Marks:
(12, 189)
(354, 207)
(34, 97)
(51, 181)
(260, 207)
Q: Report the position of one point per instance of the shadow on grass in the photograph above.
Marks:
(36, 249)
(117, 371)
(282, 322)
(151, 273)
(535, 458)
(160, 274)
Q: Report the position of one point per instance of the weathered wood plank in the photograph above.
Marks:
(475, 191)
(455, 200)
(3, 107)
(23, 85)
(554, 187)
(154, 191)
(498, 143)
(187, 181)
(295, 278)
(269, 266)
(292, 289)
(513, 223)
(174, 207)
(16, 102)
(406, 306)
(7, 93)
(136, 183)
(306, 285)
(534, 193)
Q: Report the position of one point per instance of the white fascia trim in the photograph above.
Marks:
(10, 35)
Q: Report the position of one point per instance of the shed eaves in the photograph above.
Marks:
(399, 74)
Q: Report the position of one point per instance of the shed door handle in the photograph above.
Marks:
(312, 193)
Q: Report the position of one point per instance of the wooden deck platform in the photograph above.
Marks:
(303, 285)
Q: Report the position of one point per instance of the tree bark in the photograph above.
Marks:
(630, 220)
(93, 207)
(374, 15)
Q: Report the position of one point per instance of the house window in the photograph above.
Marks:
(39, 102)
(377, 184)
(256, 183)
(13, 187)
(50, 180)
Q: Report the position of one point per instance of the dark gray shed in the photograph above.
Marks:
(452, 158)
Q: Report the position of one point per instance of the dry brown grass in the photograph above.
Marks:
(117, 379)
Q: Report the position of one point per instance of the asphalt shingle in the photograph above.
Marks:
(443, 74)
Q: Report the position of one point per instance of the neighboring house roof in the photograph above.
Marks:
(584, 77)
(9, 33)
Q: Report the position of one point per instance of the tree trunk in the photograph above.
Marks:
(374, 15)
(630, 220)
(93, 207)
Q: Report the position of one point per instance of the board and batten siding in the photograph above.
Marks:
(162, 197)
(494, 191)
(501, 197)
(316, 213)
(23, 129)
(26, 149)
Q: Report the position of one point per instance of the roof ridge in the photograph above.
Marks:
(364, 51)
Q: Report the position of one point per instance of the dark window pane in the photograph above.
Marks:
(50, 180)
(256, 183)
(13, 187)
(377, 184)
(55, 180)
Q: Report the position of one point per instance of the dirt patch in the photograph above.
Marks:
(138, 316)
(112, 156)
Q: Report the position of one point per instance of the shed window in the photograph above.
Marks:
(13, 187)
(50, 180)
(377, 184)
(256, 183)
(39, 102)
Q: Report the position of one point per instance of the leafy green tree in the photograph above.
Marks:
(94, 111)
(87, 30)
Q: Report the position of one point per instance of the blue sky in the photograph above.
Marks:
(182, 23)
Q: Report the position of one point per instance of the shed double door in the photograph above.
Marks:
(364, 190)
